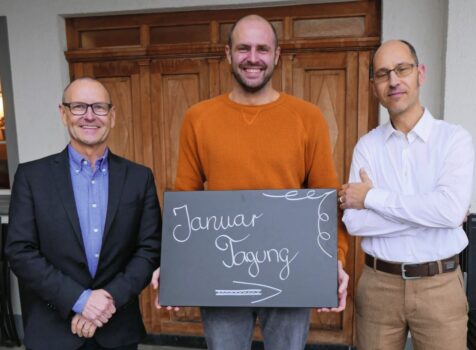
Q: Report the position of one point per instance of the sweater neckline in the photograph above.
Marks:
(254, 108)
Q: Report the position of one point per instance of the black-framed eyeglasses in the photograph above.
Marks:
(80, 108)
(401, 70)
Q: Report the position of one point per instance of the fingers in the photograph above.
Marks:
(156, 303)
(342, 194)
(323, 309)
(74, 323)
(340, 307)
(158, 306)
(95, 316)
(365, 178)
(100, 317)
(82, 327)
(155, 278)
(85, 329)
(341, 197)
(343, 279)
(100, 321)
(155, 283)
(89, 329)
(342, 301)
(342, 202)
(342, 190)
(342, 290)
(353, 197)
(99, 307)
(363, 175)
(108, 313)
(343, 285)
(79, 326)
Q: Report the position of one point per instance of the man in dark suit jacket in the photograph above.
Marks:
(84, 234)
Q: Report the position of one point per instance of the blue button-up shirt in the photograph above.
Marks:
(90, 189)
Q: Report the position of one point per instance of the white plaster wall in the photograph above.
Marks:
(423, 23)
(460, 87)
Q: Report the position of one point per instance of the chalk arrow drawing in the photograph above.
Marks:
(249, 291)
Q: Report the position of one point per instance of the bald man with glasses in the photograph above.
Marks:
(84, 234)
(409, 191)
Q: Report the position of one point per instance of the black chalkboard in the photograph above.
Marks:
(263, 248)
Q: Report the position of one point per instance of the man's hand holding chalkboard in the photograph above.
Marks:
(343, 279)
(155, 284)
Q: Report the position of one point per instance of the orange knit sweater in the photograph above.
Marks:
(280, 145)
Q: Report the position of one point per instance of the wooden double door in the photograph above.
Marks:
(152, 88)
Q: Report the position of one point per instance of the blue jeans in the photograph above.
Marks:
(232, 328)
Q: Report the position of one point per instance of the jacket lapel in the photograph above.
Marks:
(117, 176)
(62, 180)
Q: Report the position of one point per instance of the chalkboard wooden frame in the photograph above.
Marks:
(263, 248)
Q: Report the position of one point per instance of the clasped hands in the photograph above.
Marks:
(98, 310)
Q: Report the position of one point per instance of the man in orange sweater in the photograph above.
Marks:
(257, 138)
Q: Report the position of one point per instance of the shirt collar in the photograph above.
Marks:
(77, 161)
(422, 129)
(388, 130)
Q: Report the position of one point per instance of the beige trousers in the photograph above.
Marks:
(434, 309)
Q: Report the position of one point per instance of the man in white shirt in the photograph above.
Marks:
(409, 191)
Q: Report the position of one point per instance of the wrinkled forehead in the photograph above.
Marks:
(391, 54)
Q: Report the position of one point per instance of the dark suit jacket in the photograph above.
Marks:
(46, 251)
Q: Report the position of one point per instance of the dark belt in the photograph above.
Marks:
(412, 271)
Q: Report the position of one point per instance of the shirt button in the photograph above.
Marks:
(103, 170)
(96, 255)
(76, 171)
(96, 230)
(85, 162)
(94, 205)
(93, 182)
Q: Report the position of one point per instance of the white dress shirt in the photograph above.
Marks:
(422, 191)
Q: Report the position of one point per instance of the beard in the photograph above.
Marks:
(246, 86)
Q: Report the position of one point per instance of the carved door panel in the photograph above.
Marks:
(329, 81)
(338, 83)
(175, 84)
